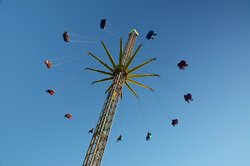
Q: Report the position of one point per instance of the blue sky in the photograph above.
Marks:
(213, 36)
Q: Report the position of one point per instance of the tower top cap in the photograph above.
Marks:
(134, 31)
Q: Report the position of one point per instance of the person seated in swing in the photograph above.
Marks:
(50, 91)
(48, 63)
(119, 138)
(182, 64)
(103, 23)
(174, 122)
(151, 34)
(68, 116)
(188, 97)
(148, 137)
(91, 130)
(66, 37)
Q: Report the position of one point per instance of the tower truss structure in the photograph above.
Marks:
(120, 75)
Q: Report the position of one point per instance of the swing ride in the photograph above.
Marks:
(119, 74)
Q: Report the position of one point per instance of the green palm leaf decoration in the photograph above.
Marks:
(139, 84)
(131, 89)
(103, 63)
(120, 67)
(142, 75)
(109, 55)
(102, 80)
(141, 65)
(120, 54)
(132, 57)
(99, 71)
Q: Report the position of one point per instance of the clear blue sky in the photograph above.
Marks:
(212, 35)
